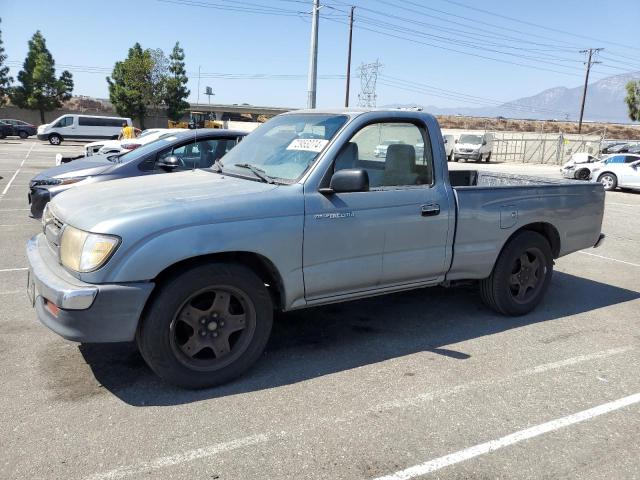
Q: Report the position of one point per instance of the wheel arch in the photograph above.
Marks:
(259, 264)
(545, 229)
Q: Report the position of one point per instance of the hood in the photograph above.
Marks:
(43, 127)
(152, 202)
(469, 145)
(78, 168)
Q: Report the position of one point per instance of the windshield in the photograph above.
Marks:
(144, 149)
(285, 146)
(472, 139)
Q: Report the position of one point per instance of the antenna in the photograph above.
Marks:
(368, 79)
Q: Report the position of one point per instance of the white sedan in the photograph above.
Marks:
(118, 146)
(618, 171)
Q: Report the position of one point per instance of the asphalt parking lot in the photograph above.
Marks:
(427, 384)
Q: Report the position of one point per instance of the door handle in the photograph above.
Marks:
(430, 210)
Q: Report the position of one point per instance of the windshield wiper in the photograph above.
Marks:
(257, 171)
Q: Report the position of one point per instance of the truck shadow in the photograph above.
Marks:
(311, 343)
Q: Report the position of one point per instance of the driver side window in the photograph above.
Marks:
(394, 154)
(64, 122)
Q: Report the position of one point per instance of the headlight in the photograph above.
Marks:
(83, 251)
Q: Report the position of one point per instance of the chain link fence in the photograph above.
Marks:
(543, 148)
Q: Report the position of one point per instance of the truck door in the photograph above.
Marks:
(396, 233)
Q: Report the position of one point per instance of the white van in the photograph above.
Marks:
(85, 127)
(474, 146)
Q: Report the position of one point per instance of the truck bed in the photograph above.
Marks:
(568, 211)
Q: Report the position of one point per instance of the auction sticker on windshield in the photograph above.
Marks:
(308, 144)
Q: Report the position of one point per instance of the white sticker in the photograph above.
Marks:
(308, 144)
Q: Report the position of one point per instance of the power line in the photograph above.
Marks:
(545, 27)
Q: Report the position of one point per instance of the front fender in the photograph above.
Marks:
(279, 239)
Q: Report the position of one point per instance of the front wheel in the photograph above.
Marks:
(206, 325)
(55, 139)
(488, 159)
(609, 181)
(520, 276)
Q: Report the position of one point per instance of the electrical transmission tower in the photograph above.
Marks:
(368, 79)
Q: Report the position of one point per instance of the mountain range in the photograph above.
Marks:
(605, 102)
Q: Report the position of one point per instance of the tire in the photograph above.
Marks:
(55, 139)
(488, 159)
(609, 181)
(214, 354)
(23, 135)
(582, 174)
(515, 287)
(455, 159)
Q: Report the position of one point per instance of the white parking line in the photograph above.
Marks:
(13, 209)
(623, 204)
(188, 456)
(17, 171)
(3, 270)
(211, 450)
(493, 445)
(609, 258)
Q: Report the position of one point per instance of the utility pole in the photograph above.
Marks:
(591, 52)
(346, 97)
(313, 57)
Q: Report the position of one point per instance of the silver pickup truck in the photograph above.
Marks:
(301, 213)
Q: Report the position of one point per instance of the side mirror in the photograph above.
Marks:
(169, 163)
(484, 142)
(445, 140)
(455, 141)
(348, 180)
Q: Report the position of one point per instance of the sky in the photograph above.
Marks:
(447, 53)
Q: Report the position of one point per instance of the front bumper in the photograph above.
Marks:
(87, 313)
(468, 155)
(568, 173)
(42, 136)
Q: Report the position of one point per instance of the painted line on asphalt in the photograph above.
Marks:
(20, 269)
(611, 259)
(511, 439)
(623, 204)
(545, 367)
(17, 171)
(208, 451)
(143, 468)
(17, 224)
(13, 209)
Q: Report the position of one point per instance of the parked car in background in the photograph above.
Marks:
(449, 143)
(83, 127)
(605, 147)
(20, 128)
(120, 146)
(635, 149)
(181, 151)
(618, 171)
(381, 149)
(473, 146)
(579, 166)
(193, 265)
(619, 148)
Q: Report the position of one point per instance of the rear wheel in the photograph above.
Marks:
(206, 325)
(55, 139)
(23, 135)
(609, 181)
(520, 276)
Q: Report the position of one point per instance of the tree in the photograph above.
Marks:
(176, 90)
(39, 88)
(633, 100)
(5, 79)
(138, 82)
(130, 85)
